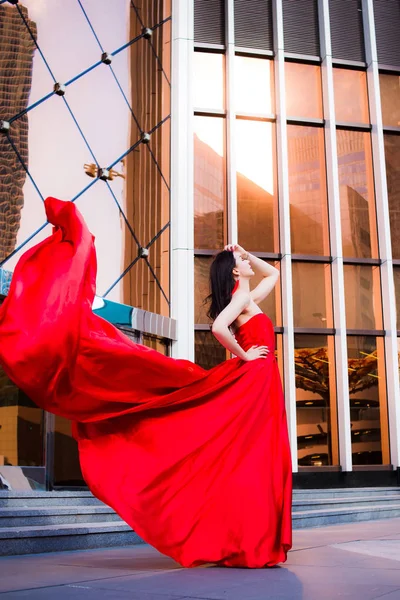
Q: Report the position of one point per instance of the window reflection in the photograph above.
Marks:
(254, 85)
(21, 427)
(303, 90)
(208, 351)
(156, 343)
(256, 185)
(357, 195)
(390, 99)
(209, 182)
(392, 156)
(362, 288)
(368, 408)
(317, 435)
(307, 190)
(396, 275)
(67, 470)
(351, 99)
(208, 80)
(312, 294)
(201, 288)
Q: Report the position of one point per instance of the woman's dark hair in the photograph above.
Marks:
(222, 282)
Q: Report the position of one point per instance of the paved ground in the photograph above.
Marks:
(358, 561)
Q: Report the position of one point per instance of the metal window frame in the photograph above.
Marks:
(337, 261)
(384, 233)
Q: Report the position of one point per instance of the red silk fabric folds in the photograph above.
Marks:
(196, 462)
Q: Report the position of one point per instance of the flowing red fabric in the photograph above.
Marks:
(196, 462)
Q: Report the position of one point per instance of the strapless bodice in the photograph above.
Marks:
(257, 331)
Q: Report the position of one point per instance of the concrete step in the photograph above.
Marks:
(320, 518)
(347, 492)
(344, 502)
(32, 522)
(55, 515)
(34, 498)
(57, 538)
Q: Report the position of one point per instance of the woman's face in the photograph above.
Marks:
(243, 266)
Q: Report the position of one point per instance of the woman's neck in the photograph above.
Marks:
(242, 285)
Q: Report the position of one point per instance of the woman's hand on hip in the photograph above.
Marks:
(257, 352)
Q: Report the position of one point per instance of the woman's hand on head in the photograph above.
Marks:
(256, 352)
(235, 248)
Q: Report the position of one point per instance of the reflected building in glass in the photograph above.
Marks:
(177, 126)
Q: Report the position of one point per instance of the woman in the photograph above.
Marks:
(196, 461)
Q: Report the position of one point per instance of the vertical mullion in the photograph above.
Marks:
(182, 179)
(384, 233)
(284, 230)
(342, 381)
(232, 220)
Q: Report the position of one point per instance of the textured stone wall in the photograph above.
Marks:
(16, 58)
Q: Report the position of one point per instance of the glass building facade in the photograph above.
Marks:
(177, 126)
(85, 91)
(296, 134)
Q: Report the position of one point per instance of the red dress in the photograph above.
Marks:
(196, 461)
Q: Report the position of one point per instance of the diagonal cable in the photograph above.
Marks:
(87, 143)
(18, 248)
(80, 130)
(119, 85)
(155, 238)
(111, 69)
(128, 268)
(133, 147)
(114, 53)
(156, 279)
(157, 166)
(35, 41)
(21, 160)
(150, 42)
(90, 25)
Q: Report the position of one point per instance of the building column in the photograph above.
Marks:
(182, 194)
(384, 234)
(335, 227)
(284, 231)
(230, 123)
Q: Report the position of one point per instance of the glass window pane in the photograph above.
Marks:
(21, 433)
(392, 155)
(67, 471)
(368, 406)
(357, 195)
(254, 85)
(317, 433)
(208, 351)
(307, 191)
(351, 99)
(390, 99)
(312, 295)
(303, 90)
(362, 289)
(156, 343)
(208, 80)
(396, 275)
(201, 288)
(209, 182)
(256, 186)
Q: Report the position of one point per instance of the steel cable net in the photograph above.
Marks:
(85, 116)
